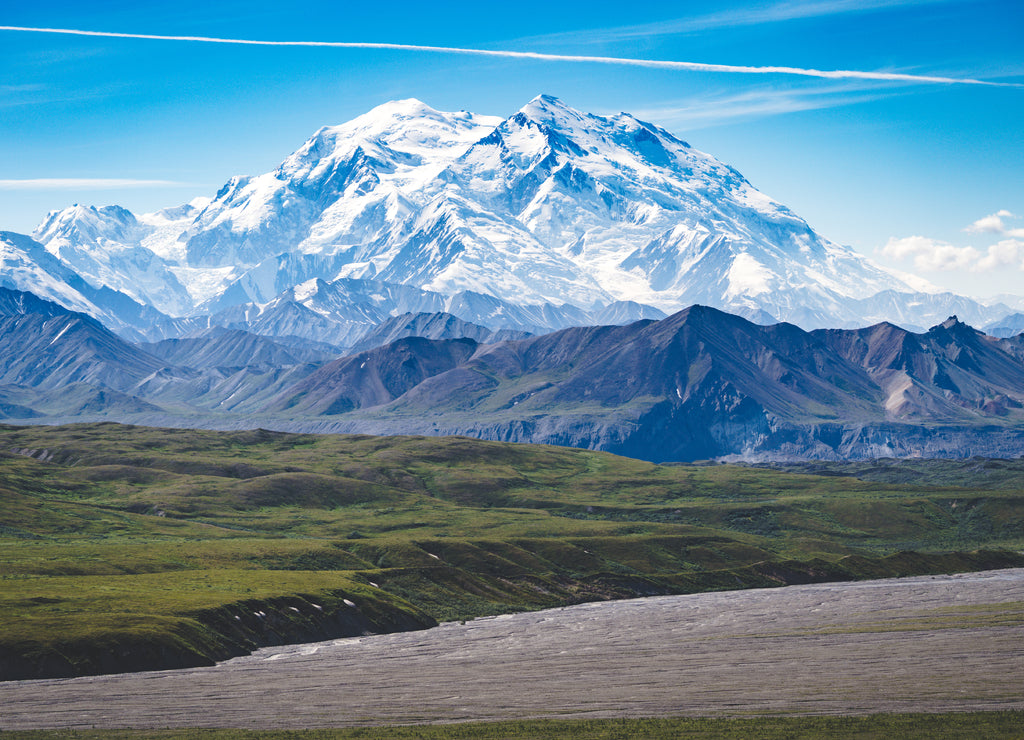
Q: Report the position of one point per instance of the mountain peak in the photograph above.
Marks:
(409, 114)
(551, 204)
(550, 110)
(408, 107)
(955, 330)
(545, 101)
(955, 325)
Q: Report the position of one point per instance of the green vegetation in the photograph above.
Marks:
(127, 548)
(952, 726)
(974, 472)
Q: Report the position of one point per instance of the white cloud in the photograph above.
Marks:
(930, 254)
(833, 74)
(988, 225)
(87, 183)
(994, 224)
(933, 255)
(1007, 253)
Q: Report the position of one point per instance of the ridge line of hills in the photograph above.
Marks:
(699, 384)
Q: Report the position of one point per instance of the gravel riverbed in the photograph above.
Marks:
(934, 643)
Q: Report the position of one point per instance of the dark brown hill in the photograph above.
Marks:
(700, 383)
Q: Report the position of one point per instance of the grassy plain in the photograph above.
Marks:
(128, 548)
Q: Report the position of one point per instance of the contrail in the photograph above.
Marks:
(838, 74)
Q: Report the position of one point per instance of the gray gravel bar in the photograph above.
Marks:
(936, 643)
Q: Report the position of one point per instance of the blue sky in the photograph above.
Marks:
(923, 176)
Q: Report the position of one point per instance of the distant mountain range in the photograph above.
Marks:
(701, 383)
(553, 277)
(547, 219)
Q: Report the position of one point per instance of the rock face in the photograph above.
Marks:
(373, 378)
(53, 352)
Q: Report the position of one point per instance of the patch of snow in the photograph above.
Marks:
(747, 277)
(61, 333)
(204, 283)
(305, 291)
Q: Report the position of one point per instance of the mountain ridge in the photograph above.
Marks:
(700, 383)
(547, 206)
(387, 275)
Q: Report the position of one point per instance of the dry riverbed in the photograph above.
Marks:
(934, 643)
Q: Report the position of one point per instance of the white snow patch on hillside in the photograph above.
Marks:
(305, 291)
(748, 277)
(204, 283)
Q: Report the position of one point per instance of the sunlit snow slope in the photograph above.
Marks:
(549, 206)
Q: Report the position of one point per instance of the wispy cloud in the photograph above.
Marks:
(88, 183)
(15, 89)
(14, 95)
(712, 110)
(836, 74)
(735, 18)
(797, 10)
(750, 16)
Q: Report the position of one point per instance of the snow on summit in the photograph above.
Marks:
(550, 205)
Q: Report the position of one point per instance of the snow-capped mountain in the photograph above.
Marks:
(650, 219)
(551, 206)
(111, 246)
(339, 313)
(25, 265)
(334, 200)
